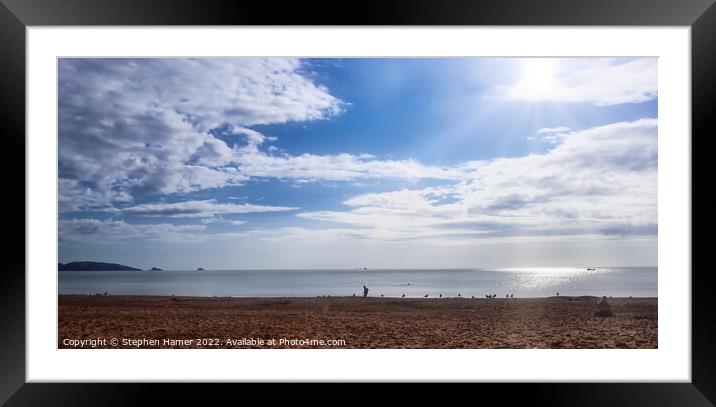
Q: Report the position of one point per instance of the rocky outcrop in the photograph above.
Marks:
(94, 266)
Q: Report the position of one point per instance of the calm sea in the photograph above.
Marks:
(522, 282)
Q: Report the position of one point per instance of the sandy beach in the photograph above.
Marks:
(199, 322)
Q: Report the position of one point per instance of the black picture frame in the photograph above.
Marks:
(700, 15)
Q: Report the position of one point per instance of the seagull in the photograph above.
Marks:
(425, 296)
(403, 296)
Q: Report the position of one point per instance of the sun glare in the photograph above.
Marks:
(538, 78)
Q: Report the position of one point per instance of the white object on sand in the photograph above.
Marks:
(604, 309)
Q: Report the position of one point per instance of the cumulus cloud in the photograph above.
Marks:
(141, 126)
(601, 81)
(152, 128)
(196, 209)
(597, 182)
(156, 127)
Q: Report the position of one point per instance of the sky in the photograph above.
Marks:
(283, 163)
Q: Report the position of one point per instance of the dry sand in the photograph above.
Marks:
(557, 322)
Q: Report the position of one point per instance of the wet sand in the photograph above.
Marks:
(180, 322)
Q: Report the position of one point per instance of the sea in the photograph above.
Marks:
(478, 282)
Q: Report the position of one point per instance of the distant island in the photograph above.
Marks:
(94, 266)
(155, 269)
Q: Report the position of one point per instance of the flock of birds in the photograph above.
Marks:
(441, 296)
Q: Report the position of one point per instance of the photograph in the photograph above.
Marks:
(357, 203)
(510, 195)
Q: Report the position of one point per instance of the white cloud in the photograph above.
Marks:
(600, 81)
(551, 135)
(208, 91)
(552, 130)
(340, 167)
(139, 126)
(196, 209)
(552, 138)
(295, 234)
(251, 162)
(597, 182)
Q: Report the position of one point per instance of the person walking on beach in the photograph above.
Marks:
(365, 291)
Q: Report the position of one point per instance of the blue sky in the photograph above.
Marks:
(301, 163)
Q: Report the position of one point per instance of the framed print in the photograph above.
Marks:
(466, 192)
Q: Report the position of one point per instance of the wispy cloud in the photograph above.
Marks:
(196, 209)
(552, 135)
(252, 162)
(552, 130)
(597, 182)
(113, 231)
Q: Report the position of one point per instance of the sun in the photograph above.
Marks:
(537, 78)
